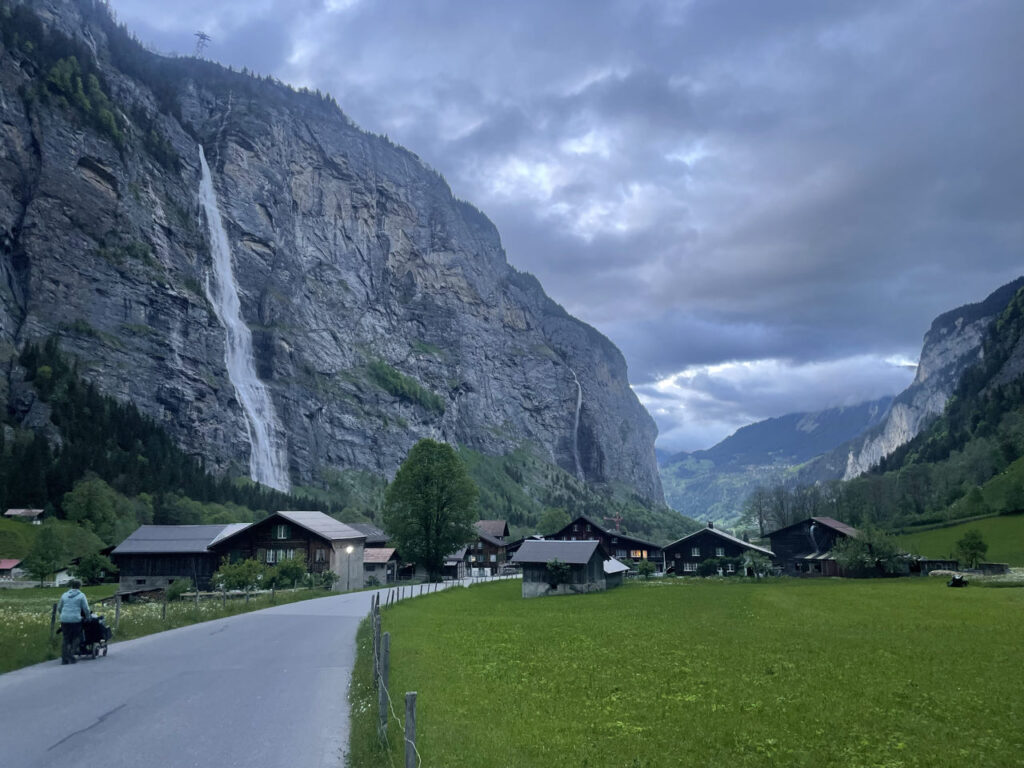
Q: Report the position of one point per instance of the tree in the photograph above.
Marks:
(288, 572)
(871, 553)
(972, 547)
(646, 568)
(552, 520)
(430, 507)
(47, 553)
(245, 575)
(756, 509)
(93, 568)
(557, 572)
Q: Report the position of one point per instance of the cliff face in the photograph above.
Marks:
(952, 344)
(380, 308)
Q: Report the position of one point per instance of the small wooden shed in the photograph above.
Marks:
(585, 560)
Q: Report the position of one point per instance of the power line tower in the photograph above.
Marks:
(201, 40)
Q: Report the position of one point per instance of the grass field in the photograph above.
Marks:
(1004, 536)
(881, 673)
(25, 618)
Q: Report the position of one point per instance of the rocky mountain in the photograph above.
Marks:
(951, 346)
(713, 484)
(290, 296)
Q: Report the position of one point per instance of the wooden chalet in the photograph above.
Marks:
(9, 568)
(805, 548)
(586, 560)
(487, 554)
(155, 556)
(325, 543)
(616, 543)
(375, 537)
(380, 564)
(684, 555)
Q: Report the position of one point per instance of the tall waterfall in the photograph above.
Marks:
(267, 460)
(576, 427)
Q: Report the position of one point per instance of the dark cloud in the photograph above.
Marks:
(797, 187)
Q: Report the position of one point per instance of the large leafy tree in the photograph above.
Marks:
(430, 507)
(972, 547)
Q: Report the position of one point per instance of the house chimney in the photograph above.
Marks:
(710, 524)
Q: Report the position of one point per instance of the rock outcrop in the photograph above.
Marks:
(381, 308)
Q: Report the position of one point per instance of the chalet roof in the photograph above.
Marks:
(230, 530)
(723, 535)
(31, 514)
(828, 522)
(374, 535)
(613, 566)
(322, 525)
(158, 539)
(572, 552)
(496, 529)
(623, 537)
(456, 556)
(378, 554)
(8, 563)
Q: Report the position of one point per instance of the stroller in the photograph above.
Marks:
(94, 637)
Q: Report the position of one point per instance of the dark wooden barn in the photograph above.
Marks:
(486, 555)
(585, 559)
(155, 556)
(805, 548)
(684, 555)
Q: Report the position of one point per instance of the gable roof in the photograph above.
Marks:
(572, 552)
(373, 534)
(378, 554)
(321, 525)
(496, 529)
(723, 535)
(8, 563)
(158, 539)
(828, 522)
(567, 530)
(32, 514)
(613, 566)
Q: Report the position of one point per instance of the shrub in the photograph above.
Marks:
(178, 588)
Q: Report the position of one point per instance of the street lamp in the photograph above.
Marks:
(348, 551)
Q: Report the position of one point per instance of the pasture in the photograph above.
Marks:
(893, 673)
(1004, 536)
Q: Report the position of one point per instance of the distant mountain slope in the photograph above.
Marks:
(712, 484)
(952, 345)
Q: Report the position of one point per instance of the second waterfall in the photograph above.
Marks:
(268, 463)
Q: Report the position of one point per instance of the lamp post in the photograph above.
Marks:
(348, 552)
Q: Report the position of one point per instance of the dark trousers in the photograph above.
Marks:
(71, 631)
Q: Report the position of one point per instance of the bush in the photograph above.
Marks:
(557, 572)
(178, 588)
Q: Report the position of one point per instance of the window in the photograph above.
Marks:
(730, 568)
(615, 539)
(689, 567)
(494, 558)
(719, 551)
(281, 531)
(694, 551)
(321, 555)
(676, 555)
(620, 553)
(576, 527)
(588, 526)
(638, 554)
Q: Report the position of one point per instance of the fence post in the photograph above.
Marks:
(410, 729)
(163, 609)
(376, 648)
(53, 620)
(117, 611)
(382, 690)
(224, 597)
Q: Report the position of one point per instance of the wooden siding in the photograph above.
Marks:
(680, 557)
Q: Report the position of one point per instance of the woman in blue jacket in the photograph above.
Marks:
(73, 608)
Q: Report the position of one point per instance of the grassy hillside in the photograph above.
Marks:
(1004, 536)
(696, 673)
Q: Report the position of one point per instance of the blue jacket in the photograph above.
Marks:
(72, 606)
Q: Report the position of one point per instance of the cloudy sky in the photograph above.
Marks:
(764, 204)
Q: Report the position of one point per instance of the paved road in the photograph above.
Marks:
(268, 688)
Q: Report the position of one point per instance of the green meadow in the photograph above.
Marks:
(1004, 536)
(893, 673)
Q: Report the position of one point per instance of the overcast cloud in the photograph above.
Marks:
(764, 205)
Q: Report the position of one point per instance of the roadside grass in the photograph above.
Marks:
(893, 673)
(1004, 536)
(25, 618)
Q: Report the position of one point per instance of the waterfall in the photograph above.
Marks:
(267, 460)
(576, 427)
